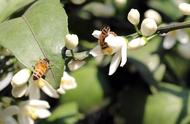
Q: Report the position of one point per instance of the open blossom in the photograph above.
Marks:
(117, 46)
(31, 110)
(21, 87)
(172, 37)
(67, 83)
(6, 115)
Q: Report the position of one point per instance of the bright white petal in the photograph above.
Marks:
(9, 120)
(43, 113)
(68, 82)
(123, 50)
(5, 82)
(114, 63)
(96, 51)
(48, 89)
(37, 103)
(96, 33)
(184, 50)
(19, 91)
(113, 43)
(182, 36)
(21, 77)
(34, 91)
(11, 110)
(169, 42)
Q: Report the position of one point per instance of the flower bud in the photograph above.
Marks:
(184, 8)
(137, 42)
(148, 27)
(154, 15)
(71, 41)
(21, 77)
(134, 16)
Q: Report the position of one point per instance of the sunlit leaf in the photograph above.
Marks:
(39, 33)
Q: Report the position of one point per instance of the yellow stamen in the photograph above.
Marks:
(40, 83)
(32, 113)
(107, 51)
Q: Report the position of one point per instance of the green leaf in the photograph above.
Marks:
(169, 106)
(89, 93)
(64, 110)
(39, 33)
(8, 7)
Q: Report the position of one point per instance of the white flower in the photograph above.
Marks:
(117, 45)
(184, 8)
(134, 16)
(20, 87)
(148, 27)
(154, 15)
(34, 89)
(137, 42)
(71, 41)
(75, 64)
(31, 110)
(6, 115)
(67, 83)
(21, 77)
(171, 38)
(6, 81)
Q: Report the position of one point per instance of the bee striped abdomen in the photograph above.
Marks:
(40, 69)
(104, 34)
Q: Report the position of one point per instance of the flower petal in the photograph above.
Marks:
(42, 113)
(96, 33)
(96, 51)
(19, 91)
(34, 91)
(9, 120)
(48, 89)
(21, 77)
(23, 119)
(6, 81)
(11, 110)
(182, 36)
(114, 63)
(37, 103)
(112, 42)
(169, 42)
(123, 50)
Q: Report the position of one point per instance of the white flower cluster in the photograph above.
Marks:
(22, 85)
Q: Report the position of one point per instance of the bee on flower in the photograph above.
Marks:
(110, 44)
(20, 79)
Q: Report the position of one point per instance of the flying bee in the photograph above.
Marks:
(40, 69)
(104, 33)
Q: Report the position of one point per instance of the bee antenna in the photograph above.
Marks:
(46, 59)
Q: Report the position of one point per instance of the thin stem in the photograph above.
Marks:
(137, 30)
(72, 53)
(172, 27)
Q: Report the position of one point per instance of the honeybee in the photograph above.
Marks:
(104, 33)
(40, 69)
